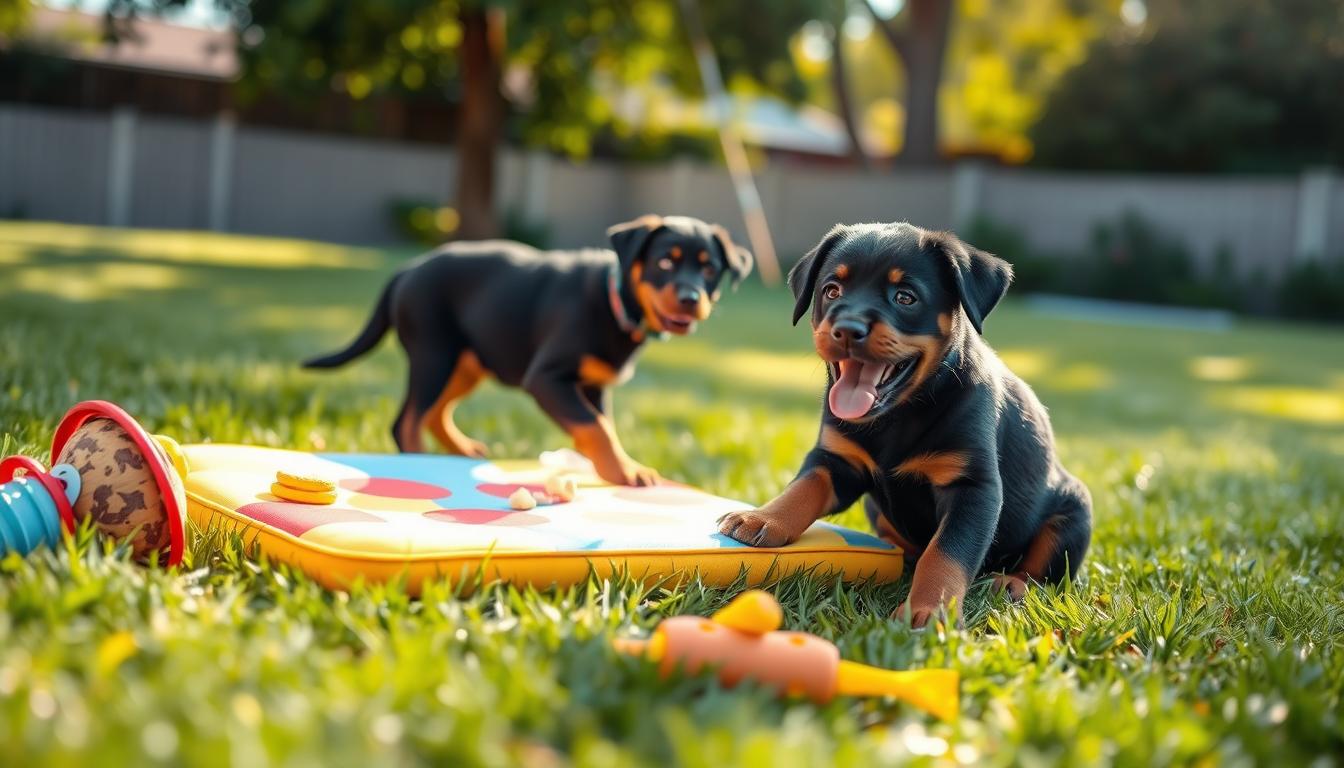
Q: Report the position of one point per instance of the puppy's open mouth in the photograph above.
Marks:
(675, 323)
(858, 385)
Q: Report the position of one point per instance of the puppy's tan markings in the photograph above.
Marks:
(885, 342)
(597, 441)
(675, 253)
(842, 272)
(938, 580)
(783, 520)
(1015, 584)
(853, 453)
(644, 294)
(931, 354)
(597, 372)
(704, 257)
(896, 275)
(888, 533)
(939, 467)
(439, 418)
(1042, 550)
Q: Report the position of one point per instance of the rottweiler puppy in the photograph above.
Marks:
(562, 325)
(954, 453)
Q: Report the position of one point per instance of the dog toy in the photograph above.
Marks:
(106, 469)
(743, 642)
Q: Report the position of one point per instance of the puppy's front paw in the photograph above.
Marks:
(1012, 584)
(917, 615)
(627, 472)
(757, 529)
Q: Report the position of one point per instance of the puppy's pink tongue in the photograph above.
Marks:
(855, 391)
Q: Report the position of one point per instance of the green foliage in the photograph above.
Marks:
(566, 60)
(14, 16)
(1131, 259)
(1031, 273)
(1313, 291)
(1210, 85)
(1206, 628)
(422, 221)
(517, 226)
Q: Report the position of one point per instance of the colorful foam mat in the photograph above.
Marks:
(423, 516)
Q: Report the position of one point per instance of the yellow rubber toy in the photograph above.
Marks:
(302, 497)
(301, 483)
(743, 642)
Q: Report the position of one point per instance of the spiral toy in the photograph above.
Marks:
(105, 469)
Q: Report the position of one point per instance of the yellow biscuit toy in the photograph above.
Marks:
(303, 490)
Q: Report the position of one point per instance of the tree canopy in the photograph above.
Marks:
(1203, 86)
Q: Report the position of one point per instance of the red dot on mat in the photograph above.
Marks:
(505, 490)
(393, 488)
(468, 516)
(298, 519)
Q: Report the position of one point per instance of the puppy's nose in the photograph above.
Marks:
(849, 331)
(689, 297)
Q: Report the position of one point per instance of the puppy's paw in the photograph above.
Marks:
(627, 473)
(475, 449)
(638, 474)
(1014, 585)
(757, 529)
(916, 615)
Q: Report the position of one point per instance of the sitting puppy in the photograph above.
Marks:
(954, 452)
(563, 325)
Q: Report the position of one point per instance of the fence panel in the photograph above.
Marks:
(53, 164)
(327, 188)
(171, 174)
(1253, 217)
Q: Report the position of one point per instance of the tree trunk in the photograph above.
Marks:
(922, 52)
(843, 102)
(480, 116)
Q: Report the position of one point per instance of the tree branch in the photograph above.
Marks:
(899, 41)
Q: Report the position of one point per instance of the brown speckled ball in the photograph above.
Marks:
(118, 491)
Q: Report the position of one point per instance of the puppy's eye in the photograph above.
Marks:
(665, 264)
(831, 292)
(905, 297)
(709, 272)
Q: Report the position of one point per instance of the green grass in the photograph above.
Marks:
(1208, 626)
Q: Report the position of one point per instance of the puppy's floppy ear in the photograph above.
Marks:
(981, 277)
(739, 258)
(803, 276)
(629, 239)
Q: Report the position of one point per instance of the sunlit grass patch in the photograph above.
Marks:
(1206, 628)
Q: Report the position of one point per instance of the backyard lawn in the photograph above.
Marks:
(1208, 626)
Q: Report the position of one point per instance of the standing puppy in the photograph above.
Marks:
(954, 452)
(563, 325)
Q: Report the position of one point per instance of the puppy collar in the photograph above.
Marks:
(637, 331)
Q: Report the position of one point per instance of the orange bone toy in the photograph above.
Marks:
(743, 642)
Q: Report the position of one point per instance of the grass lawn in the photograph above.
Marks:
(1208, 627)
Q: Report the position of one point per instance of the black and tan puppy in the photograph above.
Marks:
(563, 325)
(954, 452)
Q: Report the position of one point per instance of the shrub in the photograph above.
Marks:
(1134, 261)
(430, 224)
(1031, 272)
(423, 222)
(1313, 291)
